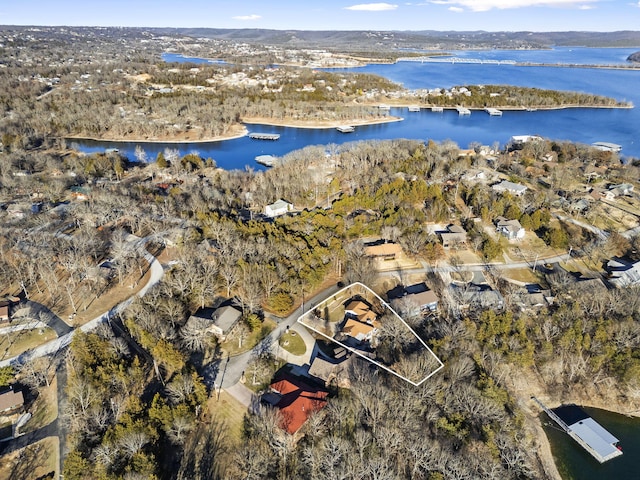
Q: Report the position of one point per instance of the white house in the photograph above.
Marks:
(623, 273)
(510, 229)
(513, 188)
(279, 207)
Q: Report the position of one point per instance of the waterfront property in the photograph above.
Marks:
(607, 147)
(266, 160)
(589, 434)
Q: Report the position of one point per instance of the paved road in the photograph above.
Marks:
(61, 342)
(230, 370)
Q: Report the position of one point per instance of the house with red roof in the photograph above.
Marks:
(296, 401)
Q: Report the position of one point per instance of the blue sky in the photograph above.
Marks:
(492, 15)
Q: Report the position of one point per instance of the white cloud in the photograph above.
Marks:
(247, 17)
(456, 9)
(586, 7)
(485, 5)
(372, 7)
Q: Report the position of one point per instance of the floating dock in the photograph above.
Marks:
(384, 107)
(414, 108)
(463, 111)
(264, 136)
(607, 147)
(346, 129)
(266, 160)
(591, 436)
(437, 109)
(494, 112)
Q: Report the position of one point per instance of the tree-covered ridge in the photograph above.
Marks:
(634, 57)
(507, 96)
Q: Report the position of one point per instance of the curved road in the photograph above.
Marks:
(61, 342)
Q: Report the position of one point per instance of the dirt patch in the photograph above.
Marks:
(34, 461)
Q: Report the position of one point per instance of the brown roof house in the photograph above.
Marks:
(331, 373)
(11, 402)
(360, 321)
(454, 235)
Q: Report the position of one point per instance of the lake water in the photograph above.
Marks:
(573, 461)
(621, 126)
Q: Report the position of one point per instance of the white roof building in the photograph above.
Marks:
(513, 188)
(279, 207)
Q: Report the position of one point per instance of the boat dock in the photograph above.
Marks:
(607, 147)
(346, 129)
(463, 111)
(589, 434)
(264, 136)
(437, 109)
(266, 160)
(494, 112)
(414, 108)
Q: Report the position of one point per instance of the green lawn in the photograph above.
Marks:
(292, 343)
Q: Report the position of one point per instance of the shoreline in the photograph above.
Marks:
(241, 130)
(318, 125)
(315, 125)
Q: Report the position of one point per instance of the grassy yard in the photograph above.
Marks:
(36, 461)
(292, 343)
(233, 347)
(525, 275)
(230, 411)
(14, 343)
(44, 409)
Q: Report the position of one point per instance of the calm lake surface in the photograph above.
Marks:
(621, 126)
(574, 463)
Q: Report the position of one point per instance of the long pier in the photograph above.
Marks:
(264, 136)
(455, 60)
(588, 433)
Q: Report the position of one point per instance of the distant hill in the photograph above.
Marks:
(634, 57)
(362, 40)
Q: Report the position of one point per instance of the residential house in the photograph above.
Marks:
(360, 321)
(279, 207)
(622, 272)
(384, 251)
(509, 187)
(11, 402)
(422, 297)
(621, 189)
(296, 401)
(331, 373)
(218, 321)
(599, 194)
(454, 236)
(418, 298)
(476, 296)
(5, 313)
(510, 228)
